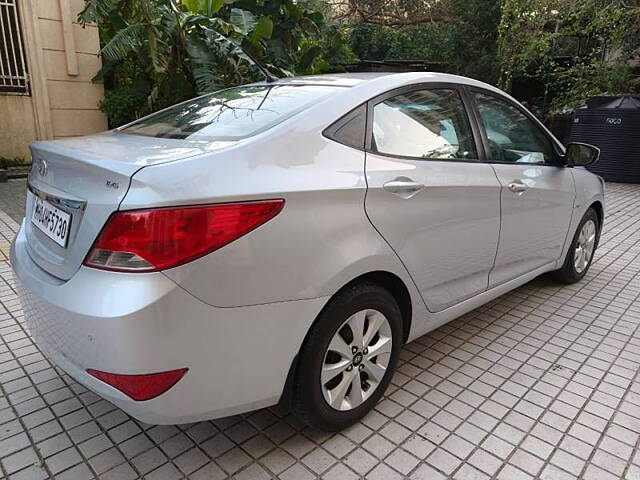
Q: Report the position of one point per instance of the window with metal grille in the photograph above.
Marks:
(13, 66)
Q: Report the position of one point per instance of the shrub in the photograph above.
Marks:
(125, 103)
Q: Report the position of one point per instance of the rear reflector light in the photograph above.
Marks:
(150, 240)
(141, 387)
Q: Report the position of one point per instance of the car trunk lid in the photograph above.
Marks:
(87, 178)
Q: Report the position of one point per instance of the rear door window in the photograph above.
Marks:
(230, 114)
(429, 124)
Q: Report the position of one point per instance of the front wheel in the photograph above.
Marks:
(581, 250)
(348, 358)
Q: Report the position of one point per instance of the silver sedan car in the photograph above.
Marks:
(280, 241)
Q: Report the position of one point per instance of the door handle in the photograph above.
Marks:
(403, 187)
(517, 186)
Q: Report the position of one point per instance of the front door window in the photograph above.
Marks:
(512, 136)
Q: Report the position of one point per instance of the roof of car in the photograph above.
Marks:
(337, 79)
(353, 79)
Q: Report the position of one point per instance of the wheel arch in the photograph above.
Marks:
(387, 280)
(599, 209)
(394, 285)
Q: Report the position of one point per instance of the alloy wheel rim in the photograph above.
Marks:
(356, 360)
(585, 246)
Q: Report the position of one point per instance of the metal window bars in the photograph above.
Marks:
(14, 78)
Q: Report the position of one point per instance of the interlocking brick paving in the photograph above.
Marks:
(540, 383)
(13, 195)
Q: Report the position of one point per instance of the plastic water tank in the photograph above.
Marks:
(613, 125)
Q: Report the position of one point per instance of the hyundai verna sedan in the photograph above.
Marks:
(283, 240)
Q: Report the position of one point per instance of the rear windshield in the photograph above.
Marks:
(230, 114)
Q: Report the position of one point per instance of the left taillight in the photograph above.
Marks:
(157, 239)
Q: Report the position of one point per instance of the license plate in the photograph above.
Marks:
(52, 221)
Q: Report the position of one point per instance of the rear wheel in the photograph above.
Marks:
(348, 358)
(583, 246)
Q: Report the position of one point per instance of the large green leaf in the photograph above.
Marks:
(194, 5)
(202, 60)
(125, 41)
(195, 19)
(215, 60)
(214, 6)
(264, 28)
(243, 20)
(262, 31)
(204, 7)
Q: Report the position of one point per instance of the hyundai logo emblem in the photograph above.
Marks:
(42, 167)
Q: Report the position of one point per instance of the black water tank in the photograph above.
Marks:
(613, 125)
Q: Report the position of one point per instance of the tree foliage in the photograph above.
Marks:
(375, 42)
(467, 41)
(393, 13)
(473, 38)
(157, 52)
(170, 50)
(576, 48)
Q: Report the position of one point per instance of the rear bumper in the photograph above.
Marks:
(238, 358)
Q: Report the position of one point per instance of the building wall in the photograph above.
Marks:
(17, 125)
(73, 99)
(62, 58)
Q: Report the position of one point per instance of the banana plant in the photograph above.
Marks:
(180, 48)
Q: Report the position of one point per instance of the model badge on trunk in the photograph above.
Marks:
(42, 167)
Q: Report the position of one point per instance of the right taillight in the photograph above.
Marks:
(157, 239)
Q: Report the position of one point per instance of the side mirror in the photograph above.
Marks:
(581, 154)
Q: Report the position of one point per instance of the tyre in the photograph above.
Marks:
(581, 250)
(348, 358)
